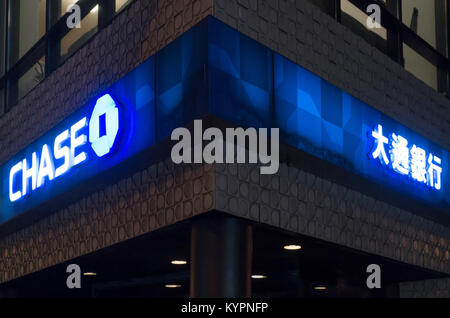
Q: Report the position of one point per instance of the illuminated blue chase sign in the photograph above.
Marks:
(33, 171)
(412, 161)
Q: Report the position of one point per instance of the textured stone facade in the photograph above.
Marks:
(100, 220)
(304, 203)
(164, 194)
(137, 33)
(150, 199)
(303, 33)
(309, 37)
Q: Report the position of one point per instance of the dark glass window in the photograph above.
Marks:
(66, 40)
(420, 67)
(2, 101)
(414, 33)
(76, 37)
(26, 26)
(391, 6)
(2, 36)
(59, 7)
(20, 86)
(121, 4)
(356, 19)
(35, 39)
(428, 20)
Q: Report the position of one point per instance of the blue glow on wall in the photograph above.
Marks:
(36, 170)
(251, 86)
(78, 148)
(214, 69)
(102, 144)
(325, 121)
(406, 160)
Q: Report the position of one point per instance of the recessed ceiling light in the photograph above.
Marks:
(320, 288)
(89, 274)
(178, 262)
(172, 285)
(258, 276)
(292, 247)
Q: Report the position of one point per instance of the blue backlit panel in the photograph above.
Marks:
(112, 127)
(321, 119)
(252, 86)
(214, 69)
(181, 80)
(240, 77)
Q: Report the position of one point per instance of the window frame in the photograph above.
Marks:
(398, 33)
(49, 44)
(401, 33)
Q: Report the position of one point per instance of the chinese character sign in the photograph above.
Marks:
(395, 152)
